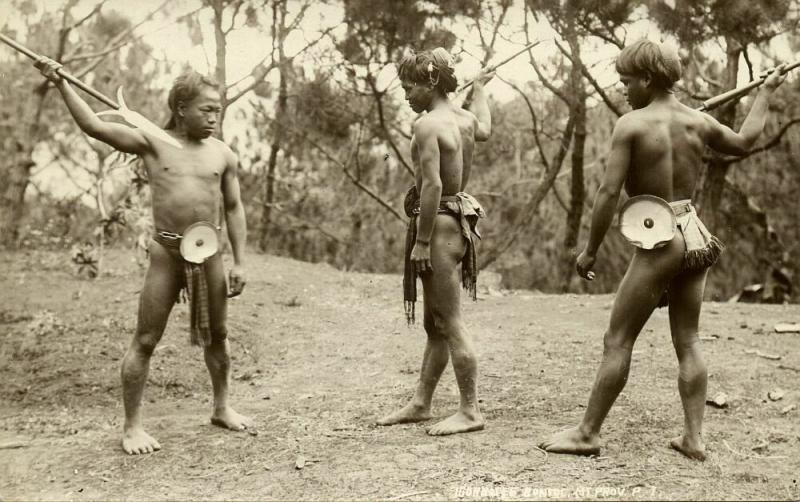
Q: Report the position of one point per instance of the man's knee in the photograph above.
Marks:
(442, 323)
(219, 334)
(146, 340)
(617, 340)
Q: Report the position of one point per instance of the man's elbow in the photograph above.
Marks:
(608, 192)
(483, 133)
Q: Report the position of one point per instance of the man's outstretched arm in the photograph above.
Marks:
(723, 139)
(120, 137)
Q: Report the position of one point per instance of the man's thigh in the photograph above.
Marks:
(217, 295)
(442, 285)
(646, 279)
(162, 284)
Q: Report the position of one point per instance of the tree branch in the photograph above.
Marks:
(771, 143)
(352, 178)
(591, 79)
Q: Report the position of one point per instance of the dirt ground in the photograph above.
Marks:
(319, 354)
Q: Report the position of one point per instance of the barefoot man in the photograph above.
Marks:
(187, 187)
(657, 149)
(443, 219)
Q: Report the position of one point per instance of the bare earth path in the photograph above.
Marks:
(319, 354)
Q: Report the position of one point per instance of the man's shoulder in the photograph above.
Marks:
(427, 124)
(221, 147)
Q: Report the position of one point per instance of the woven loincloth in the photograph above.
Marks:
(195, 287)
(702, 249)
(467, 210)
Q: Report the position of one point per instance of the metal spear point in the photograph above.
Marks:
(137, 120)
(130, 116)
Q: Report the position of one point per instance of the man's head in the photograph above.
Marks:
(646, 67)
(426, 73)
(195, 103)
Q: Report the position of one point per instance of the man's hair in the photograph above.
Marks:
(185, 88)
(430, 67)
(658, 61)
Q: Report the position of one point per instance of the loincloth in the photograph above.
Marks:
(467, 210)
(702, 248)
(195, 288)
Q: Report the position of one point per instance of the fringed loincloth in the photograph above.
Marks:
(195, 289)
(468, 211)
(702, 248)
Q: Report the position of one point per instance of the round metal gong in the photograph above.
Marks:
(647, 221)
(200, 241)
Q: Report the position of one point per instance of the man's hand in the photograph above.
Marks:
(775, 78)
(483, 77)
(236, 281)
(421, 258)
(49, 68)
(584, 264)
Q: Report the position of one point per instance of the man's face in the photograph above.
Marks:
(200, 115)
(637, 90)
(418, 95)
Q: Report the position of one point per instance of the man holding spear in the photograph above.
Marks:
(190, 174)
(443, 219)
(656, 153)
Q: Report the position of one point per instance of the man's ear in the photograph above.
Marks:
(647, 79)
(181, 108)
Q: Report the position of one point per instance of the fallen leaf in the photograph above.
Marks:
(785, 327)
(787, 409)
(775, 395)
(772, 357)
(718, 401)
(300, 462)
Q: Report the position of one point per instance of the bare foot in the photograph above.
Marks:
(572, 441)
(459, 422)
(136, 441)
(229, 419)
(693, 449)
(407, 414)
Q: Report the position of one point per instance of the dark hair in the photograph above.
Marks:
(185, 88)
(659, 61)
(431, 67)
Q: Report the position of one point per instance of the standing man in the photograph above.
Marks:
(187, 187)
(443, 219)
(657, 150)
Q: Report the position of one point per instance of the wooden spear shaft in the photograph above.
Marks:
(66, 76)
(495, 66)
(716, 101)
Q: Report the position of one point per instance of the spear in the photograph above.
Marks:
(716, 101)
(495, 66)
(133, 118)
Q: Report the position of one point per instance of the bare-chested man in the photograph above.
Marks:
(443, 219)
(657, 150)
(187, 185)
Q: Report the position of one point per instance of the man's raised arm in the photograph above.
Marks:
(723, 139)
(120, 137)
(480, 106)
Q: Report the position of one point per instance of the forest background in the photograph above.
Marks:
(314, 109)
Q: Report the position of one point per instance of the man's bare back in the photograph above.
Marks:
(666, 153)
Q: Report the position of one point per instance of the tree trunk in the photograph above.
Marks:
(220, 71)
(279, 124)
(578, 191)
(13, 200)
(709, 196)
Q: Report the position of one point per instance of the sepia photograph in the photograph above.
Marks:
(399, 250)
